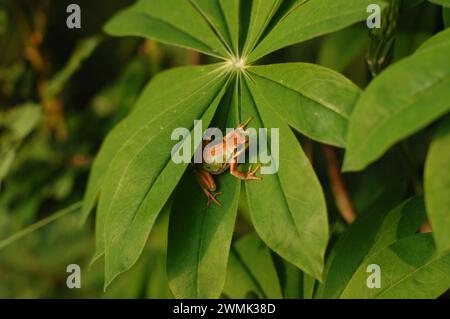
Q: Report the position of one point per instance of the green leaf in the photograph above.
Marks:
(130, 285)
(256, 261)
(309, 284)
(439, 39)
(410, 268)
(314, 100)
(290, 279)
(309, 19)
(15, 125)
(157, 287)
(445, 3)
(230, 10)
(21, 120)
(214, 14)
(83, 50)
(176, 22)
(369, 234)
(6, 160)
(294, 221)
(446, 17)
(400, 101)
(437, 186)
(381, 187)
(240, 283)
(118, 98)
(261, 13)
(339, 49)
(200, 237)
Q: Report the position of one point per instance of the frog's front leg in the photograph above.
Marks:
(208, 186)
(250, 175)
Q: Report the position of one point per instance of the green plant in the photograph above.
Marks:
(133, 175)
(373, 101)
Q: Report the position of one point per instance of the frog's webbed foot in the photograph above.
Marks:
(250, 175)
(212, 198)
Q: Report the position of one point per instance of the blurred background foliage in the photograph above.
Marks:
(62, 90)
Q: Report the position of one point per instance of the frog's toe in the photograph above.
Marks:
(251, 173)
(212, 198)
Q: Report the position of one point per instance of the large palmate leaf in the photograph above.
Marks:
(200, 237)
(314, 100)
(309, 19)
(287, 208)
(133, 175)
(410, 268)
(400, 101)
(169, 21)
(437, 186)
(370, 233)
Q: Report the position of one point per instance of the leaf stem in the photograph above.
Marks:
(342, 199)
(28, 230)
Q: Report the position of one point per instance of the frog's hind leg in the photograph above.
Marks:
(250, 175)
(212, 197)
(208, 186)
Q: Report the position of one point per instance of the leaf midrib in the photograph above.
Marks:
(251, 46)
(407, 276)
(211, 24)
(276, 44)
(211, 50)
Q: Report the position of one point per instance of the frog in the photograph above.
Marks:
(222, 157)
